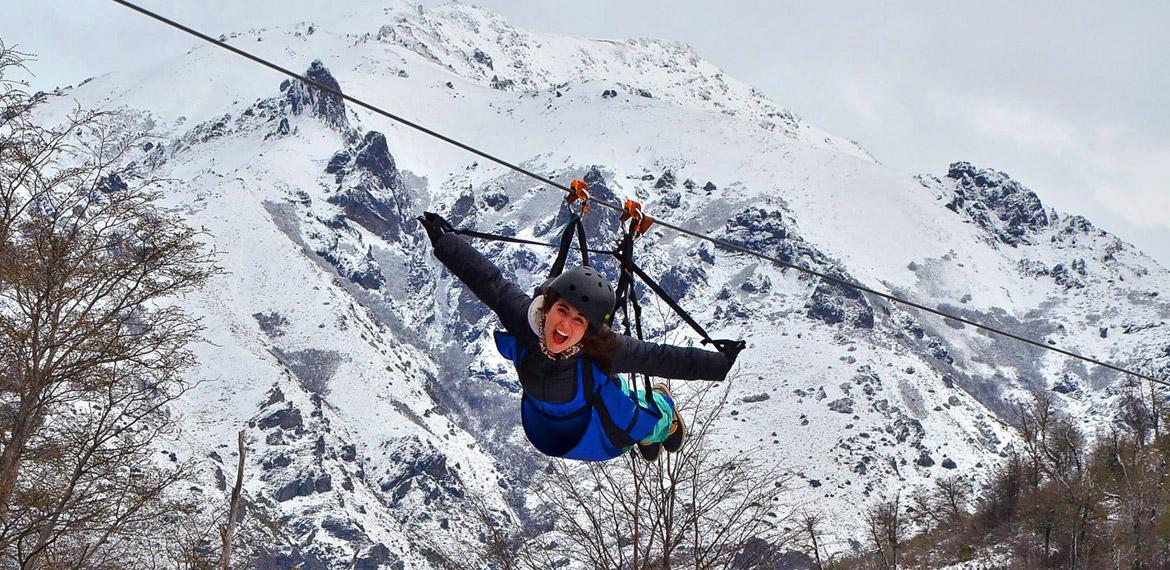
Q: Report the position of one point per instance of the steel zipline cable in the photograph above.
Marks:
(716, 241)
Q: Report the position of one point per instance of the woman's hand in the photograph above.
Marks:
(435, 226)
(729, 348)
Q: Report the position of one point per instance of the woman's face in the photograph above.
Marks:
(564, 326)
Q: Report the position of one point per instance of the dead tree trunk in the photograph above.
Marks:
(228, 531)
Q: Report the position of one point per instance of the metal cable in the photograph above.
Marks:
(716, 241)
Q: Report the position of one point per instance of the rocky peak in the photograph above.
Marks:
(371, 158)
(305, 98)
(1005, 208)
(370, 188)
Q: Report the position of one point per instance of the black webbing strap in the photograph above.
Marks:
(654, 286)
(721, 344)
(638, 328)
(510, 239)
(566, 241)
(625, 256)
(627, 296)
(582, 244)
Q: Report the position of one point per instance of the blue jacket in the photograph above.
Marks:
(570, 408)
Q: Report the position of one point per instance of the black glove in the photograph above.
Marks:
(729, 348)
(435, 226)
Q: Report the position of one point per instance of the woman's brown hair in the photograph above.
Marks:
(599, 343)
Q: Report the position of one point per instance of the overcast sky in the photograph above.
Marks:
(1067, 97)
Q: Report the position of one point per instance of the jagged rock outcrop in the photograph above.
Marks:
(308, 99)
(419, 473)
(765, 231)
(667, 180)
(836, 304)
(370, 189)
(1005, 208)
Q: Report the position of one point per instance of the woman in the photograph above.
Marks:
(567, 358)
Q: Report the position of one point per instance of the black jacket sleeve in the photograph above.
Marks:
(503, 297)
(668, 361)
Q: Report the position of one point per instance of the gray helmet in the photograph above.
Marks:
(588, 291)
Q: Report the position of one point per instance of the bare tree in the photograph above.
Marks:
(810, 524)
(502, 542)
(1059, 455)
(886, 527)
(228, 531)
(702, 507)
(944, 504)
(92, 353)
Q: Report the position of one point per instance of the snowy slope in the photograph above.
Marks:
(374, 404)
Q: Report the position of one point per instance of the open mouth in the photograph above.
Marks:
(559, 337)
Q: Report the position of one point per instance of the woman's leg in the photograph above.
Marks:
(665, 406)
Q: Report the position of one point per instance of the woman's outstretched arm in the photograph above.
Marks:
(669, 361)
(503, 297)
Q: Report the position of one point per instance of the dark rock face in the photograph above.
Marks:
(372, 156)
(1070, 276)
(462, 209)
(925, 460)
(308, 99)
(666, 180)
(323, 484)
(765, 231)
(678, 280)
(112, 183)
(298, 488)
(275, 462)
(842, 405)
(482, 58)
(756, 284)
(371, 191)
(948, 463)
(422, 470)
(284, 418)
(345, 530)
(836, 304)
(496, 200)
(368, 275)
(376, 558)
(998, 204)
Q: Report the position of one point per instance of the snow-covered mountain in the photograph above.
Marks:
(374, 404)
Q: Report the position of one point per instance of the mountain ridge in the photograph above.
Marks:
(393, 405)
